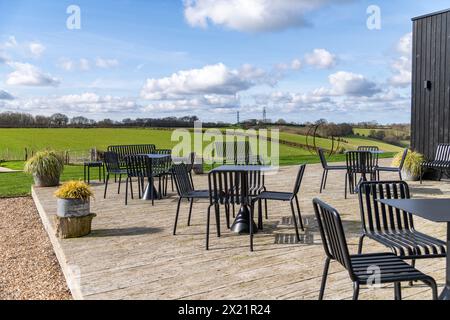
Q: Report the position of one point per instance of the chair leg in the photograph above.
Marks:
(176, 217)
(131, 188)
(106, 186)
(227, 215)
(413, 264)
(299, 214)
(346, 183)
(355, 290)
(432, 284)
(126, 192)
(324, 278)
(208, 218)
(325, 181)
(217, 209)
(120, 181)
(421, 174)
(266, 208)
(250, 218)
(400, 175)
(295, 220)
(190, 211)
(322, 181)
(361, 242)
(260, 215)
(398, 291)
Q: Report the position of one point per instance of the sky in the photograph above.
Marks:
(302, 60)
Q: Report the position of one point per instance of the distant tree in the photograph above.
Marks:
(79, 121)
(59, 120)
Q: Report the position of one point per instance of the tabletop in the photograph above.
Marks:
(246, 168)
(437, 210)
(156, 156)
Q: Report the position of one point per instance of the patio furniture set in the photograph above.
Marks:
(385, 206)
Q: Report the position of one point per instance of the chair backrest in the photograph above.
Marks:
(360, 162)
(368, 148)
(402, 162)
(332, 234)
(224, 187)
(298, 180)
(128, 150)
(111, 160)
(377, 217)
(162, 165)
(442, 152)
(237, 152)
(182, 179)
(256, 182)
(323, 159)
(138, 166)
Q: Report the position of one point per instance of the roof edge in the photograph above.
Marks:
(430, 14)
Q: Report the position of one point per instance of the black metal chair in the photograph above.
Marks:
(440, 163)
(326, 169)
(224, 190)
(359, 163)
(128, 150)
(140, 167)
(185, 191)
(163, 167)
(285, 196)
(112, 164)
(362, 268)
(394, 169)
(392, 227)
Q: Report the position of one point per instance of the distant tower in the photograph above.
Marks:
(238, 118)
(264, 115)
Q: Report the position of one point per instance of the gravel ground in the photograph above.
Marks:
(29, 269)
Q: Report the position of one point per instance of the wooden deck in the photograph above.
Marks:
(132, 253)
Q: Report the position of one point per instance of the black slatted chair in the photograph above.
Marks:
(129, 150)
(165, 170)
(391, 227)
(285, 196)
(140, 167)
(441, 161)
(359, 164)
(223, 190)
(361, 267)
(327, 168)
(375, 153)
(394, 169)
(185, 191)
(112, 164)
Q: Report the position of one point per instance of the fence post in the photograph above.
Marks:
(26, 154)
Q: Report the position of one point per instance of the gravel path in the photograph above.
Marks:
(29, 269)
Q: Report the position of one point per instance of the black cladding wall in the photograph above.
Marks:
(430, 122)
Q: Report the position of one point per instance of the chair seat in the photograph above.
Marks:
(197, 194)
(336, 167)
(391, 267)
(388, 169)
(411, 243)
(436, 164)
(269, 195)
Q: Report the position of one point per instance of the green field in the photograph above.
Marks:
(14, 141)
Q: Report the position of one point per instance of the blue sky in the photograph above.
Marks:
(302, 60)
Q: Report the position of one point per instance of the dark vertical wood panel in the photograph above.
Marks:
(413, 87)
(434, 112)
(447, 80)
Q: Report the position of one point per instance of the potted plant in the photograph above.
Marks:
(46, 168)
(411, 166)
(74, 217)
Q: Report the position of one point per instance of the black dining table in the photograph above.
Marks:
(241, 224)
(148, 194)
(436, 210)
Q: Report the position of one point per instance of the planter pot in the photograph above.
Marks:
(45, 182)
(408, 176)
(69, 208)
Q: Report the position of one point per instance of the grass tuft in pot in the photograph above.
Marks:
(412, 164)
(75, 190)
(46, 168)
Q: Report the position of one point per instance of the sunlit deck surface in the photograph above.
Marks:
(132, 253)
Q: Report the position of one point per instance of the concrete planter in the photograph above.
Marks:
(45, 182)
(74, 227)
(408, 176)
(70, 208)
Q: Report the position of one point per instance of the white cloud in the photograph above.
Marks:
(11, 42)
(211, 79)
(251, 15)
(351, 84)
(106, 63)
(402, 67)
(25, 74)
(321, 58)
(210, 103)
(71, 65)
(6, 95)
(66, 64)
(36, 49)
(85, 64)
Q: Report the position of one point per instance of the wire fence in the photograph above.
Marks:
(74, 157)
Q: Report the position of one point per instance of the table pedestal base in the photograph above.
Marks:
(242, 224)
(148, 194)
